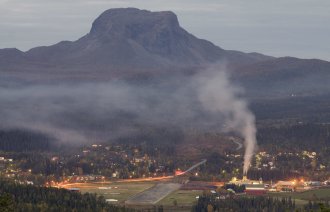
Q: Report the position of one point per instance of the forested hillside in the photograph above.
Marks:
(22, 140)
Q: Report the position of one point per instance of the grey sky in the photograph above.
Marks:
(298, 28)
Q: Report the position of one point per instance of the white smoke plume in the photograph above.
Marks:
(218, 95)
(99, 111)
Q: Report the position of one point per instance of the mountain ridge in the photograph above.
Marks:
(127, 43)
(122, 38)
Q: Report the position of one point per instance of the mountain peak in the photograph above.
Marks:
(132, 22)
(127, 42)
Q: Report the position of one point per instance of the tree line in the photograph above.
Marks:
(16, 197)
(208, 203)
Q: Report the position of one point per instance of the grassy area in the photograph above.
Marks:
(182, 200)
(118, 191)
(307, 195)
(121, 191)
(302, 198)
(182, 197)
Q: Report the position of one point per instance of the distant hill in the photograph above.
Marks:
(285, 77)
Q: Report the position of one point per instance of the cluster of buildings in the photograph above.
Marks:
(254, 187)
(7, 168)
(76, 179)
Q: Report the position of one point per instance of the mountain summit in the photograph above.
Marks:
(125, 42)
(134, 24)
(128, 43)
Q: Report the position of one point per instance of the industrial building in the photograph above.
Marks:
(255, 189)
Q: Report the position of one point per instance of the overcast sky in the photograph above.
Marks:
(298, 28)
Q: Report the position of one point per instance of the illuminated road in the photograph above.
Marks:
(70, 185)
(193, 167)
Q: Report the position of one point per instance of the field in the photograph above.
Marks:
(120, 191)
(170, 198)
(302, 198)
(176, 200)
(181, 198)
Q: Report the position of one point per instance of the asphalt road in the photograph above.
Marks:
(153, 194)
